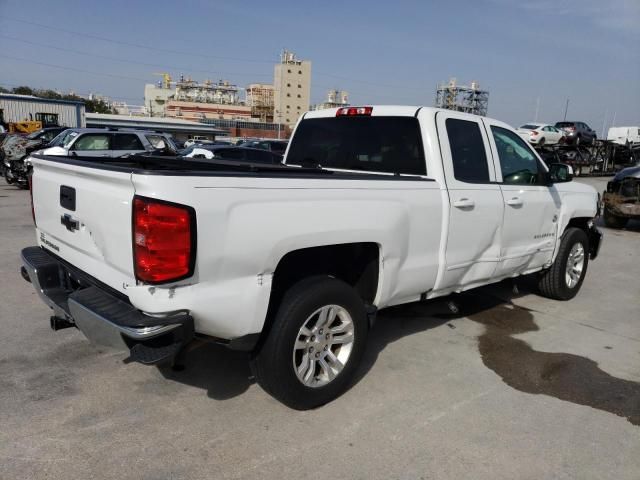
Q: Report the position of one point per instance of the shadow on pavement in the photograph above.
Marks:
(225, 374)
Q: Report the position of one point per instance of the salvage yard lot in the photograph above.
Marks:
(513, 386)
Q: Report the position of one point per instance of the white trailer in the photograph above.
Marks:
(624, 135)
(20, 108)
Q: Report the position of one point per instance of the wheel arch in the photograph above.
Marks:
(359, 264)
(586, 224)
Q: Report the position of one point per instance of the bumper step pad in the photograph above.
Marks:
(150, 355)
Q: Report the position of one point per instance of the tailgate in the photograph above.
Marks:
(83, 215)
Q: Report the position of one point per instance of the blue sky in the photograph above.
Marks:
(380, 52)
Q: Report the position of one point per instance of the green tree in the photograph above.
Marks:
(92, 106)
(24, 90)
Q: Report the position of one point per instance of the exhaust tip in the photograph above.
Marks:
(25, 275)
(58, 323)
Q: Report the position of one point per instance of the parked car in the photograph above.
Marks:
(15, 149)
(577, 133)
(197, 140)
(621, 199)
(275, 146)
(374, 207)
(241, 154)
(100, 142)
(541, 134)
(629, 136)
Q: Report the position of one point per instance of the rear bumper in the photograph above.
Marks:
(103, 316)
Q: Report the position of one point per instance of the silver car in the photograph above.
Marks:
(98, 142)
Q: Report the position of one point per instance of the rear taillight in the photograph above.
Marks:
(573, 129)
(533, 132)
(164, 240)
(33, 211)
(354, 111)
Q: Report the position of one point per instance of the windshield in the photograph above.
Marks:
(564, 124)
(57, 140)
(374, 144)
(529, 126)
(67, 138)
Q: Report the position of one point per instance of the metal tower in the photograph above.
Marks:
(462, 98)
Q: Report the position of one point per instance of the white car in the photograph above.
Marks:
(198, 141)
(540, 134)
(373, 207)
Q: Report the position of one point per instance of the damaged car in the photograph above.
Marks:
(621, 200)
(16, 148)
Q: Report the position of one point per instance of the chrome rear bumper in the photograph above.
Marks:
(105, 317)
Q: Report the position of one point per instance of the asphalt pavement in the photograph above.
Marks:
(512, 386)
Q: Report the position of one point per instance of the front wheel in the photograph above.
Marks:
(314, 345)
(562, 281)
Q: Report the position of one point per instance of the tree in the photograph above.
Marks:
(24, 90)
(97, 106)
(92, 106)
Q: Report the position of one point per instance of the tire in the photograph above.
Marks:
(578, 140)
(554, 282)
(614, 221)
(274, 363)
(541, 142)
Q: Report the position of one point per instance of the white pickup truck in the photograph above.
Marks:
(373, 207)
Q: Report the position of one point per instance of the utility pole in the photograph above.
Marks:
(537, 109)
(566, 107)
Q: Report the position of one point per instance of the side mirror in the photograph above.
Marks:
(560, 173)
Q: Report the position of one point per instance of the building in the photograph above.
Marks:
(198, 111)
(195, 101)
(21, 108)
(180, 129)
(156, 97)
(335, 99)
(260, 98)
(251, 129)
(292, 84)
(462, 98)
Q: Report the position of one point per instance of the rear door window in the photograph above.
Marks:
(127, 141)
(467, 151)
(373, 144)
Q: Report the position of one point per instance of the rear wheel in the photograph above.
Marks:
(614, 221)
(562, 281)
(315, 343)
(541, 142)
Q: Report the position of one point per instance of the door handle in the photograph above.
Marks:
(515, 202)
(464, 203)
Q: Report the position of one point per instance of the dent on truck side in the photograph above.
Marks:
(578, 206)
